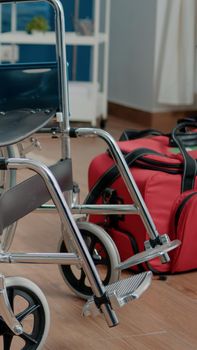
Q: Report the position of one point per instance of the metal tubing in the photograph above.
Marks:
(105, 209)
(70, 225)
(98, 209)
(41, 258)
(62, 75)
(126, 175)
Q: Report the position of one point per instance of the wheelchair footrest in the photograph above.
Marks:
(128, 289)
(121, 292)
(148, 254)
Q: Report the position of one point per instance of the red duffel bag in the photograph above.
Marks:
(164, 168)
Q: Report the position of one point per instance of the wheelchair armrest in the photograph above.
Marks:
(30, 194)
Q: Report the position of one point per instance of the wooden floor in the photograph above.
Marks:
(165, 317)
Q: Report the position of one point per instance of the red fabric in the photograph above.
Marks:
(159, 190)
(184, 258)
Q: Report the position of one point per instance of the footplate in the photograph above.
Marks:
(121, 292)
(148, 254)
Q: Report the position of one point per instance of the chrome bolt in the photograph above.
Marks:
(18, 330)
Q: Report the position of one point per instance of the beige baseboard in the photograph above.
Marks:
(163, 121)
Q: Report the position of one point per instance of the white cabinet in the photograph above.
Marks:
(88, 100)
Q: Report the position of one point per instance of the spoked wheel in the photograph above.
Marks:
(31, 310)
(104, 254)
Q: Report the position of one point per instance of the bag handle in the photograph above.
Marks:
(113, 173)
(132, 134)
(190, 167)
(188, 139)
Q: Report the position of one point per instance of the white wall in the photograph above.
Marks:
(161, 13)
(131, 57)
(136, 31)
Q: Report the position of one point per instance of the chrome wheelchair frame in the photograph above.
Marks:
(104, 298)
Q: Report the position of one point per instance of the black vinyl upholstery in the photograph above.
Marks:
(30, 194)
(16, 125)
(29, 85)
(29, 99)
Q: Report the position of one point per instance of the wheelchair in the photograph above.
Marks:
(86, 255)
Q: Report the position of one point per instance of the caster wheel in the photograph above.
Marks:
(104, 254)
(31, 310)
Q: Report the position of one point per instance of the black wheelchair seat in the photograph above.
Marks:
(29, 85)
(29, 99)
(16, 125)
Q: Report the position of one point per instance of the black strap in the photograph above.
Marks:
(189, 172)
(179, 138)
(188, 139)
(112, 173)
(132, 134)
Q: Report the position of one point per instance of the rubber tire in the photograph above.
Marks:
(35, 292)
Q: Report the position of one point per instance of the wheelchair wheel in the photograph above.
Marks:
(104, 254)
(31, 309)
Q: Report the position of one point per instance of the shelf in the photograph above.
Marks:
(90, 101)
(48, 38)
(87, 100)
